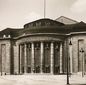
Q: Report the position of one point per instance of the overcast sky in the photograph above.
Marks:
(15, 13)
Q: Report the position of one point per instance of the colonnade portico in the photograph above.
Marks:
(32, 57)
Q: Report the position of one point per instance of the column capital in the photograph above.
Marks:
(52, 41)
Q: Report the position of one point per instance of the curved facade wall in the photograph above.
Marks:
(40, 54)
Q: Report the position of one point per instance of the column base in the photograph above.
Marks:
(41, 73)
(61, 72)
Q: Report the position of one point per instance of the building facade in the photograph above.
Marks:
(43, 47)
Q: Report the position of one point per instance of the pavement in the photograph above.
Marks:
(36, 79)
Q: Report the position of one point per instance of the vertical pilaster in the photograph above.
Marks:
(42, 51)
(32, 59)
(70, 54)
(61, 57)
(83, 64)
(20, 55)
(25, 58)
(19, 59)
(82, 53)
(52, 58)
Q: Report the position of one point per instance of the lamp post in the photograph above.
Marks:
(82, 52)
(68, 65)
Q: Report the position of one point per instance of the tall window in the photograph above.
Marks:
(80, 46)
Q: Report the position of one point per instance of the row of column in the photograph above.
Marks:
(41, 59)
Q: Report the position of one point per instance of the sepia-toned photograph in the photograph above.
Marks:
(42, 42)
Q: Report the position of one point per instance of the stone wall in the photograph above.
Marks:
(76, 51)
(6, 60)
(15, 54)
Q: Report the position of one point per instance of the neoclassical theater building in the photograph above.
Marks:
(43, 47)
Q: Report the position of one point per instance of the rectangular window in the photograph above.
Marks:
(80, 48)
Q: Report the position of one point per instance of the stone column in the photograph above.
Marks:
(61, 57)
(70, 55)
(42, 51)
(32, 57)
(19, 59)
(25, 58)
(83, 64)
(52, 58)
(20, 47)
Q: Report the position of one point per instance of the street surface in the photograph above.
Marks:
(36, 79)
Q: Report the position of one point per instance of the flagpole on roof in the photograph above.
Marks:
(44, 8)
